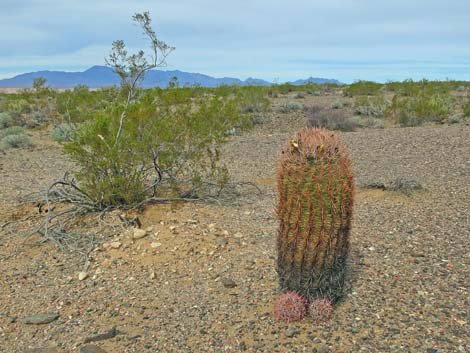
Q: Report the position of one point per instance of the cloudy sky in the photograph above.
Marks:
(269, 39)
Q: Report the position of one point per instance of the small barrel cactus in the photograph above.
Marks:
(320, 310)
(290, 306)
(315, 187)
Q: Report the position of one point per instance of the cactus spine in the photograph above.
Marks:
(316, 187)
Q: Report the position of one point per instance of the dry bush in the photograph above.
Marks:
(331, 119)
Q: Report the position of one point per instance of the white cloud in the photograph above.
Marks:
(345, 39)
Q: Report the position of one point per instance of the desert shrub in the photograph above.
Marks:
(332, 119)
(362, 88)
(80, 104)
(336, 104)
(290, 107)
(371, 105)
(18, 106)
(63, 132)
(299, 95)
(252, 99)
(314, 92)
(175, 137)
(368, 122)
(12, 130)
(466, 109)
(312, 109)
(15, 141)
(6, 120)
(454, 119)
(418, 109)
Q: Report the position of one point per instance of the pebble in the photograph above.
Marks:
(115, 244)
(155, 244)
(82, 275)
(38, 319)
(292, 332)
(139, 233)
(228, 282)
(238, 235)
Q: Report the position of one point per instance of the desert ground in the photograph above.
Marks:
(203, 279)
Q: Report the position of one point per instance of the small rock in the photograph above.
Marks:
(115, 244)
(228, 283)
(139, 233)
(371, 248)
(149, 229)
(91, 348)
(82, 275)
(39, 319)
(238, 235)
(292, 332)
(152, 275)
(155, 244)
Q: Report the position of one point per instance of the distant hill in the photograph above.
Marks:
(318, 80)
(103, 76)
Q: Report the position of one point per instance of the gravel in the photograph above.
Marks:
(408, 287)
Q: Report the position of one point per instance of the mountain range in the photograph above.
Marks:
(103, 76)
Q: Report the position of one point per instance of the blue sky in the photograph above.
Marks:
(269, 39)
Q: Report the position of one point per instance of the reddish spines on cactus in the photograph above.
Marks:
(290, 306)
(320, 310)
(315, 189)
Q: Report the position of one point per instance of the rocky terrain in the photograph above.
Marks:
(200, 277)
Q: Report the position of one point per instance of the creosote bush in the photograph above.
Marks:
(168, 138)
(374, 106)
(418, 109)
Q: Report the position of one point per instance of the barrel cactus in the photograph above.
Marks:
(316, 187)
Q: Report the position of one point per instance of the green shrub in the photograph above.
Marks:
(375, 106)
(454, 119)
(466, 109)
(315, 93)
(167, 133)
(13, 130)
(63, 132)
(290, 107)
(362, 88)
(6, 120)
(252, 99)
(416, 110)
(337, 104)
(15, 141)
